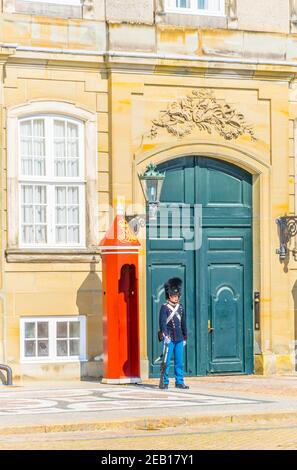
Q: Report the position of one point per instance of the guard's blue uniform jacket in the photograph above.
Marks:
(176, 329)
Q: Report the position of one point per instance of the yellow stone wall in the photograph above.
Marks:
(126, 93)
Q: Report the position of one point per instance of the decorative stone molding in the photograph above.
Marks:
(89, 119)
(201, 110)
(52, 256)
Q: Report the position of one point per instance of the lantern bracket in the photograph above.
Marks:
(287, 230)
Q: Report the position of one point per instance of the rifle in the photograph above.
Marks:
(163, 365)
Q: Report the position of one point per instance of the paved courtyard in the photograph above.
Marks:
(242, 412)
(106, 399)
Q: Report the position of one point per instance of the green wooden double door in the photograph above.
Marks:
(217, 276)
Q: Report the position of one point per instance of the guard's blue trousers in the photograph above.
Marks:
(176, 347)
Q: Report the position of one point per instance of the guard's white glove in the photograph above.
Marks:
(167, 340)
(184, 342)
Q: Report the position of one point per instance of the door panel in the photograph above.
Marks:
(217, 277)
(228, 293)
(226, 318)
(161, 269)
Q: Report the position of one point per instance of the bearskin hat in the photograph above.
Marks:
(173, 287)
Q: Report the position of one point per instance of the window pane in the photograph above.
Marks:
(73, 234)
(27, 214)
(72, 167)
(73, 215)
(59, 148)
(62, 348)
(40, 214)
(183, 3)
(74, 347)
(39, 167)
(42, 329)
(59, 129)
(72, 130)
(61, 217)
(38, 148)
(40, 195)
(38, 127)
(28, 234)
(60, 168)
(42, 348)
(73, 195)
(74, 329)
(61, 234)
(60, 195)
(40, 234)
(26, 128)
(30, 348)
(27, 194)
(26, 147)
(30, 331)
(27, 166)
(62, 329)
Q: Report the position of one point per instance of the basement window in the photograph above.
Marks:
(53, 339)
(196, 7)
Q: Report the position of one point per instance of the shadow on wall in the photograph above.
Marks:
(294, 293)
(89, 303)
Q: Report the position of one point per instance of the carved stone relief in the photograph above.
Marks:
(201, 110)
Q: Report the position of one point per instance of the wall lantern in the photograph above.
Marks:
(152, 182)
(287, 230)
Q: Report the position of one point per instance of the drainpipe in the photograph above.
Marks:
(8, 371)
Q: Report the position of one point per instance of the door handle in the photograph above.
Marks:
(210, 329)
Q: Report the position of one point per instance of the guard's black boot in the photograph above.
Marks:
(183, 386)
(163, 387)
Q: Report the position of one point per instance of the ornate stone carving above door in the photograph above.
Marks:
(202, 110)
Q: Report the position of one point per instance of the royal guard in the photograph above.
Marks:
(173, 329)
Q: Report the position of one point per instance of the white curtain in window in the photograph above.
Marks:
(66, 150)
(26, 148)
(67, 214)
(34, 207)
(27, 214)
(33, 147)
(40, 214)
(73, 214)
(72, 149)
(210, 5)
(61, 215)
(51, 153)
(59, 148)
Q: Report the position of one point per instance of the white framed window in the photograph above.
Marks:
(53, 339)
(51, 182)
(197, 7)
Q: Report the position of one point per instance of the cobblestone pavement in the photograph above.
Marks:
(227, 437)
